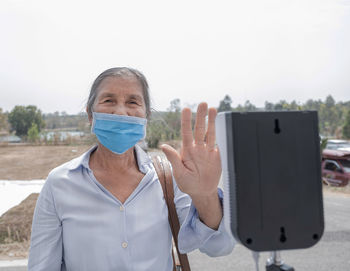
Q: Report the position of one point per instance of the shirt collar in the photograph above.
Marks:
(143, 160)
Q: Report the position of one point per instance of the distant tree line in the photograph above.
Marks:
(62, 120)
(29, 121)
(334, 117)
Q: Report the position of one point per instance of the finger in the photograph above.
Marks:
(174, 159)
(199, 127)
(211, 129)
(186, 128)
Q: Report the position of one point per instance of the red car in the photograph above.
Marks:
(336, 167)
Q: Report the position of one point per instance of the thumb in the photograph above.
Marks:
(173, 158)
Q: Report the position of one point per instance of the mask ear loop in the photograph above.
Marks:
(93, 122)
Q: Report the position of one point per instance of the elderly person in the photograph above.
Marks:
(105, 210)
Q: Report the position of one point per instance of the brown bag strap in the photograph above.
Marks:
(163, 170)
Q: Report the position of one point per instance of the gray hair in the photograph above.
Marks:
(120, 72)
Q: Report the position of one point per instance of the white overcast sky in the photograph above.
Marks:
(51, 51)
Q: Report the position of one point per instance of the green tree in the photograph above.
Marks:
(248, 106)
(22, 117)
(278, 106)
(173, 120)
(294, 106)
(3, 120)
(239, 108)
(33, 133)
(175, 106)
(154, 134)
(312, 105)
(331, 114)
(346, 127)
(330, 102)
(269, 106)
(225, 104)
(282, 105)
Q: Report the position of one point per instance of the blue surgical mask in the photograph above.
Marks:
(118, 133)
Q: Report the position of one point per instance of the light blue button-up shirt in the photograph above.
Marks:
(79, 225)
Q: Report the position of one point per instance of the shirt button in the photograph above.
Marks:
(124, 244)
(121, 208)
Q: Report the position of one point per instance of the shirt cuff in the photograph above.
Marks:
(194, 233)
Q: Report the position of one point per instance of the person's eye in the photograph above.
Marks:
(133, 102)
(107, 101)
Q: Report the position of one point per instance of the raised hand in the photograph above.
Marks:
(197, 167)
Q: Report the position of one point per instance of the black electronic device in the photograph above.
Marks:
(272, 178)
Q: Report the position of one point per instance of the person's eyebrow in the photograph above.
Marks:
(136, 97)
(107, 94)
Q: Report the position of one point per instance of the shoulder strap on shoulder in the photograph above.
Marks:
(163, 170)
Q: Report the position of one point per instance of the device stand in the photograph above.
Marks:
(275, 263)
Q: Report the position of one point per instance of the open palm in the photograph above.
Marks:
(197, 167)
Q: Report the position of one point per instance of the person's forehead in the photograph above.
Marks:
(120, 86)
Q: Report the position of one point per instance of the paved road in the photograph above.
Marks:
(331, 253)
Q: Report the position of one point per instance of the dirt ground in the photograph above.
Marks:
(34, 162)
(20, 162)
(344, 191)
(14, 250)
